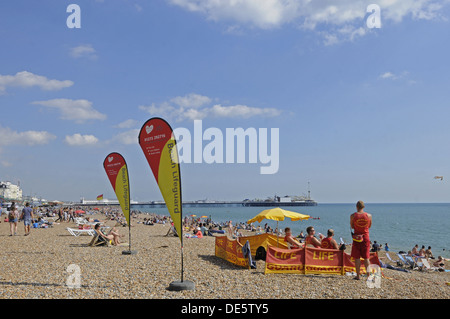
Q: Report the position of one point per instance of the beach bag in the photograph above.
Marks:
(260, 253)
(357, 238)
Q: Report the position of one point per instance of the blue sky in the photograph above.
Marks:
(362, 113)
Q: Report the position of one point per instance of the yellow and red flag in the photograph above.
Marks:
(117, 171)
(160, 149)
(100, 197)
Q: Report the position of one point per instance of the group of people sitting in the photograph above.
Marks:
(322, 242)
(428, 254)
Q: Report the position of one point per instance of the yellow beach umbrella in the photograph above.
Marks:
(277, 214)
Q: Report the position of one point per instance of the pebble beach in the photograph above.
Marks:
(36, 266)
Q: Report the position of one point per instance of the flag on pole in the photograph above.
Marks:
(117, 171)
(160, 149)
(100, 197)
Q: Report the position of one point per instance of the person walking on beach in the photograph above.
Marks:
(27, 216)
(360, 222)
(13, 218)
(60, 215)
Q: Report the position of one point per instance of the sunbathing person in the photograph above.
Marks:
(429, 253)
(422, 251)
(113, 234)
(439, 262)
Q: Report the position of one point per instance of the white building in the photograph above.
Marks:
(10, 191)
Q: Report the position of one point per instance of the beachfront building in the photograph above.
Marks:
(9, 191)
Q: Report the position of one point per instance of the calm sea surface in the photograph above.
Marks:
(400, 225)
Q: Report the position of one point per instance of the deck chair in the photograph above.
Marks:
(411, 262)
(403, 260)
(398, 261)
(99, 241)
(78, 232)
(427, 266)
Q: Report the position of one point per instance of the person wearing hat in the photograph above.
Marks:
(199, 233)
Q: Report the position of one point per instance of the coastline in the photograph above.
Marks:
(39, 265)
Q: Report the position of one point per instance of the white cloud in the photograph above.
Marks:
(27, 79)
(312, 15)
(388, 75)
(81, 140)
(128, 138)
(83, 51)
(73, 110)
(27, 138)
(196, 107)
(127, 124)
(242, 111)
(191, 100)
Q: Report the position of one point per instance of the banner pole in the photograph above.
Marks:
(182, 255)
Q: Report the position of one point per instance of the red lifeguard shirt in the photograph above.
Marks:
(361, 223)
(309, 242)
(326, 243)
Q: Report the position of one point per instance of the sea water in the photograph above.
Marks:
(400, 225)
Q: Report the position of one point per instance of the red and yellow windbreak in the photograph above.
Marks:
(117, 171)
(160, 149)
(312, 260)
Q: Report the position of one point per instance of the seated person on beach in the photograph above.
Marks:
(439, 262)
(422, 251)
(329, 242)
(415, 250)
(428, 253)
(386, 247)
(375, 247)
(198, 232)
(301, 235)
(310, 239)
(291, 241)
(113, 234)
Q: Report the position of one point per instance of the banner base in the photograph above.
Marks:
(182, 285)
(129, 252)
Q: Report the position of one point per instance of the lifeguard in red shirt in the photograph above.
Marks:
(310, 239)
(360, 222)
(329, 242)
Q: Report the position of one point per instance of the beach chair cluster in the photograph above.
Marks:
(410, 262)
(82, 221)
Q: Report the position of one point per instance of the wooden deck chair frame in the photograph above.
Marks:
(99, 241)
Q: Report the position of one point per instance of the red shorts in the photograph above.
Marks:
(361, 250)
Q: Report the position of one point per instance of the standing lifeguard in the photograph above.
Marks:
(360, 222)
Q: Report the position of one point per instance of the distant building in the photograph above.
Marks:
(10, 191)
